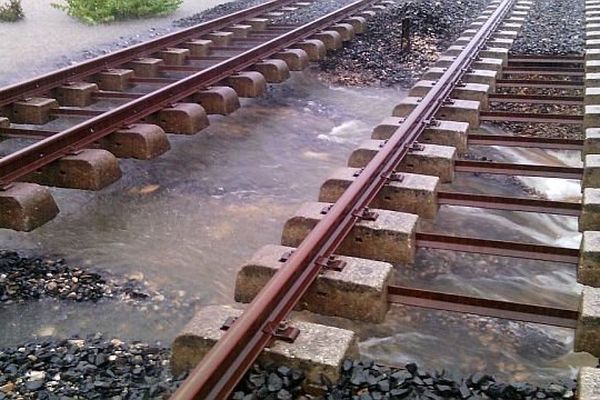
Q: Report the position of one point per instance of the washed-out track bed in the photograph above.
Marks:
(337, 256)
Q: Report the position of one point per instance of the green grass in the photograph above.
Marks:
(102, 11)
(11, 11)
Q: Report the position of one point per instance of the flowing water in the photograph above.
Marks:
(185, 221)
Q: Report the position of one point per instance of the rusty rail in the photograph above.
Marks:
(27, 160)
(525, 141)
(561, 317)
(505, 116)
(501, 248)
(535, 99)
(499, 168)
(508, 203)
(224, 365)
(548, 84)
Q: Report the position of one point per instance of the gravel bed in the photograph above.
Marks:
(30, 278)
(553, 27)
(307, 14)
(375, 57)
(551, 131)
(366, 380)
(301, 16)
(562, 131)
(85, 368)
(272, 382)
(98, 368)
(216, 12)
(565, 109)
(541, 77)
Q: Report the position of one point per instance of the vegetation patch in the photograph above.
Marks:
(103, 11)
(11, 11)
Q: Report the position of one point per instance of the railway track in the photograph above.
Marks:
(169, 85)
(367, 217)
(371, 211)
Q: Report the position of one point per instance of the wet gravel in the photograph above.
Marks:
(31, 278)
(298, 17)
(271, 382)
(553, 27)
(95, 367)
(309, 13)
(216, 12)
(376, 58)
(565, 109)
(540, 91)
(85, 368)
(99, 368)
(366, 380)
(563, 131)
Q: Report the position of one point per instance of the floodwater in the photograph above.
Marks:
(512, 350)
(184, 223)
(37, 43)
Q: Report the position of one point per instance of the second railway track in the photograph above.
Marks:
(241, 60)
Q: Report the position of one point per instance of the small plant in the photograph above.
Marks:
(102, 11)
(11, 11)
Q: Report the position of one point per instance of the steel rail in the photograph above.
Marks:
(524, 141)
(47, 82)
(534, 99)
(499, 168)
(27, 160)
(506, 116)
(549, 84)
(543, 57)
(502, 248)
(508, 203)
(224, 365)
(23, 133)
(561, 317)
(578, 72)
(523, 58)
